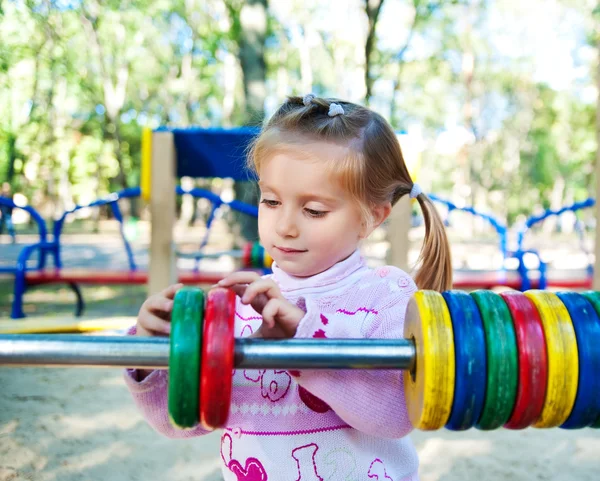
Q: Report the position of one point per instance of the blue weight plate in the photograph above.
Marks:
(587, 331)
(471, 361)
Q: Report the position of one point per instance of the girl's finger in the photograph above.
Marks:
(262, 286)
(170, 291)
(239, 289)
(240, 277)
(155, 324)
(158, 303)
(269, 312)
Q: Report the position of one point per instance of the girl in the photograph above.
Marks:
(329, 173)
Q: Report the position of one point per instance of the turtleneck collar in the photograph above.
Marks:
(333, 275)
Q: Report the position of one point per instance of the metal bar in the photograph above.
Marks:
(67, 350)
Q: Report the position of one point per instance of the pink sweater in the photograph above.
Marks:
(314, 425)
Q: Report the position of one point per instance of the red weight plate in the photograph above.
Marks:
(247, 255)
(533, 361)
(216, 371)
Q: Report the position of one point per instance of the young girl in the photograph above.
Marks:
(329, 173)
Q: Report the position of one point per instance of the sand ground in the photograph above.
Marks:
(80, 424)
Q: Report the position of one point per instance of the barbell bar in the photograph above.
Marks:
(69, 350)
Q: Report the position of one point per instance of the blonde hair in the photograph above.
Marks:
(372, 169)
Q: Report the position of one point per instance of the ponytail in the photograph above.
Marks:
(435, 262)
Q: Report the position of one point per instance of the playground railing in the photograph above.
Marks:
(43, 246)
(26, 276)
(543, 281)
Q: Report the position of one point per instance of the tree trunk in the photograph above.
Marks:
(372, 8)
(11, 148)
(251, 43)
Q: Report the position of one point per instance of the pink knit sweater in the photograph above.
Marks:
(314, 425)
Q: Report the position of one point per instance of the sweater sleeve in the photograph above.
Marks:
(370, 401)
(150, 396)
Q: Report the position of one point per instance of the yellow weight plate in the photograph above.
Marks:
(429, 386)
(268, 260)
(563, 359)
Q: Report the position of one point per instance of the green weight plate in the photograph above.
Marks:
(184, 357)
(256, 256)
(502, 360)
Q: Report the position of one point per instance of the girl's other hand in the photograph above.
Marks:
(280, 317)
(154, 318)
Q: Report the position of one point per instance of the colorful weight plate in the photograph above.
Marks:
(217, 358)
(502, 363)
(594, 298)
(247, 255)
(587, 330)
(563, 362)
(257, 258)
(471, 370)
(184, 357)
(268, 261)
(533, 360)
(429, 386)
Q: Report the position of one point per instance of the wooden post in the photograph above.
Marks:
(398, 234)
(163, 269)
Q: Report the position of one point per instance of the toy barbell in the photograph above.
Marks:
(479, 359)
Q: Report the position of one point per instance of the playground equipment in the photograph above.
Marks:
(50, 248)
(543, 280)
(483, 279)
(471, 360)
(171, 154)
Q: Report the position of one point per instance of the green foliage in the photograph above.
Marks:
(79, 81)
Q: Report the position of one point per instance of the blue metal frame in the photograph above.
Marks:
(532, 221)
(44, 246)
(498, 226)
(217, 202)
(53, 247)
(42, 232)
(111, 200)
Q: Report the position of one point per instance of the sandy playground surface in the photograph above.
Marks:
(80, 425)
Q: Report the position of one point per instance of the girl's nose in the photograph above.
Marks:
(286, 225)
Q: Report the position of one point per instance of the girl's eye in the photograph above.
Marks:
(269, 203)
(315, 213)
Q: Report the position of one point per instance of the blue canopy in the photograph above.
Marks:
(213, 152)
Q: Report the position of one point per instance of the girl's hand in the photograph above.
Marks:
(154, 318)
(280, 317)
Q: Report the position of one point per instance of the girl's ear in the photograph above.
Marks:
(379, 213)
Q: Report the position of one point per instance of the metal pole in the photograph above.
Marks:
(153, 352)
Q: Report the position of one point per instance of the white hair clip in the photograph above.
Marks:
(307, 99)
(415, 191)
(335, 109)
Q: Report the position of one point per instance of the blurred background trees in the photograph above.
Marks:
(497, 98)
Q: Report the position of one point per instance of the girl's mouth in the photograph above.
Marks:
(287, 250)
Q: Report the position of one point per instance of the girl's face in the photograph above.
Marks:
(306, 221)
